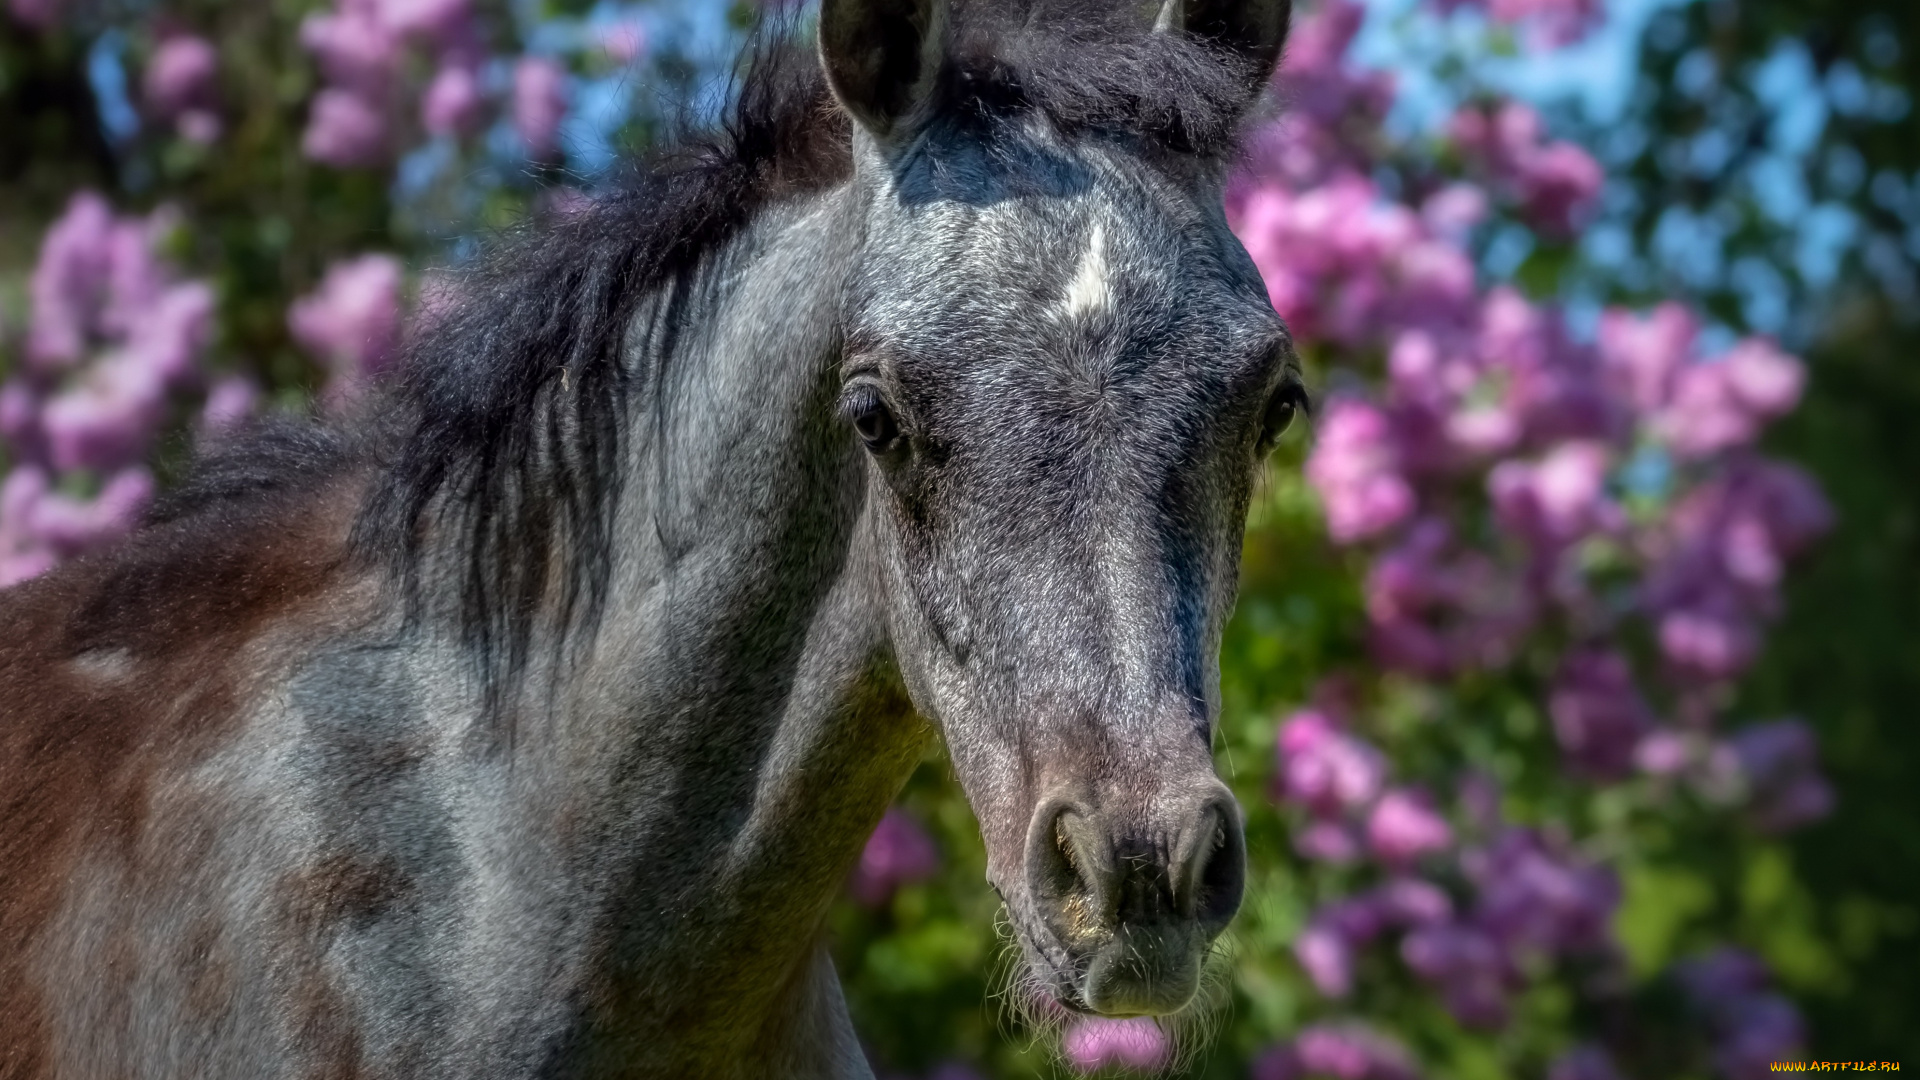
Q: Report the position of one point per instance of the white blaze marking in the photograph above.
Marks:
(1088, 292)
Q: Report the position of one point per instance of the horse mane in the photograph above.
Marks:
(506, 432)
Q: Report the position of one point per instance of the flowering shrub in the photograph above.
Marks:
(115, 341)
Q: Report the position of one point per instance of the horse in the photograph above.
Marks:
(527, 722)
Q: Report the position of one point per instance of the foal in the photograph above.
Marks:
(529, 727)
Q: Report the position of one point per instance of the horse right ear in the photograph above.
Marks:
(882, 58)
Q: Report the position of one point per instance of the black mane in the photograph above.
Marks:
(511, 406)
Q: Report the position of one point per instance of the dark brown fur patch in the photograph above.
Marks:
(160, 627)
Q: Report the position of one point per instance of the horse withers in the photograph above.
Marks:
(527, 724)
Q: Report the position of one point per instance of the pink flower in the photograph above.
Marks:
(106, 420)
(180, 75)
(1325, 768)
(1665, 753)
(231, 401)
(345, 130)
(623, 42)
(539, 104)
(198, 126)
(1404, 827)
(352, 321)
(70, 525)
(38, 14)
(1328, 841)
(1455, 209)
(452, 104)
(1557, 500)
(898, 852)
(357, 50)
(438, 23)
(1762, 378)
(1098, 1042)
(1351, 1051)
(1643, 353)
(1327, 958)
(1411, 901)
(1555, 183)
(1355, 468)
(1722, 404)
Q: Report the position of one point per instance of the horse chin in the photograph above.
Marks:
(1050, 994)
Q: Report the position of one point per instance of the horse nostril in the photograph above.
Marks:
(1217, 874)
(1066, 869)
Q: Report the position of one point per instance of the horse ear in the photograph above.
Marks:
(1253, 30)
(882, 57)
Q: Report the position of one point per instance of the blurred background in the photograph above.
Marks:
(1570, 693)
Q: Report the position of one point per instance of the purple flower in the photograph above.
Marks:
(1434, 611)
(345, 130)
(1354, 467)
(1533, 895)
(1584, 1062)
(1780, 763)
(1097, 1042)
(539, 104)
(1598, 714)
(898, 852)
(180, 76)
(452, 104)
(1468, 965)
(1404, 827)
(1750, 1026)
(70, 281)
(352, 321)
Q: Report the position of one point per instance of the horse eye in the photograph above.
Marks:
(870, 416)
(1287, 401)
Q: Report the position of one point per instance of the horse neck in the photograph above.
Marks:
(735, 727)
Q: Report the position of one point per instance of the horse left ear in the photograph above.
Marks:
(882, 58)
(1253, 30)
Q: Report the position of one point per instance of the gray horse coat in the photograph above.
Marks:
(528, 725)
